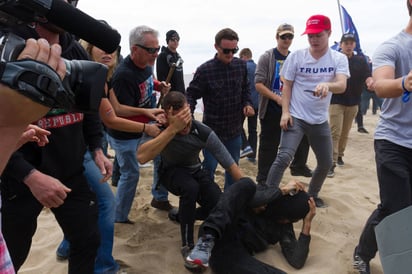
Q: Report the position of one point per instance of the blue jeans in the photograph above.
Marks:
(320, 140)
(159, 192)
(105, 262)
(210, 162)
(129, 175)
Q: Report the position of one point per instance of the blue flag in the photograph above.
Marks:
(349, 27)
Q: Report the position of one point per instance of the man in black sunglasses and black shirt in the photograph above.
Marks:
(222, 83)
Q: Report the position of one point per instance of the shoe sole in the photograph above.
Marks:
(197, 262)
(194, 268)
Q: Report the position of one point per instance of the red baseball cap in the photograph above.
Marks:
(316, 24)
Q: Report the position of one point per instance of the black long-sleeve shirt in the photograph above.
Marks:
(71, 133)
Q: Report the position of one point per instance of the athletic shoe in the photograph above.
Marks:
(248, 151)
(185, 251)
(305, 171)
(331, 172)
(161, 205)
(359, 264)
(319, 202)
(362, 130)
(252, 160)
(62, 252)
(340, 161)
(174, 215)
(201, 252)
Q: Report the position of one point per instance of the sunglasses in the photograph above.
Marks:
(149, 50)
(174, 39)
(286, 36)
(227, 51)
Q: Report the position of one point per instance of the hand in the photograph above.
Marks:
(49, 191)
(180, 120)
(152, 113)
(34, 133)
(248, 111)
(152, 129)
(285, 120)
(24, 109)
(312, 211)
(321, 90)
(164, 88)
(292, 185)
(104, 164)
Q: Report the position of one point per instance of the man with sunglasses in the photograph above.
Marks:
(269, 86)
(169, 57)
(222, 83)
(134, 85)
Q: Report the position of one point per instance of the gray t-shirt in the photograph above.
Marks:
(183, 150)
(395, 119)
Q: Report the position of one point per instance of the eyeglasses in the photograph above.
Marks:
(286, 36)
(149, 50)
(227, 51)
(174, 39)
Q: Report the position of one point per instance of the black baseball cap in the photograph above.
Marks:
(347, 37)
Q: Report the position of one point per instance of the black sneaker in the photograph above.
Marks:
(359, 264)
(331, 172)
(297, 171)
(362, 130)
(319, 202)
(161, 205)
(174, 215)
(340, 162)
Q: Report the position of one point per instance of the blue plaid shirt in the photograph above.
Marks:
(225, 91)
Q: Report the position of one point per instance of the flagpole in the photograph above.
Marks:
(340, 17)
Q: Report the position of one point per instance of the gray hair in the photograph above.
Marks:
(137, 35)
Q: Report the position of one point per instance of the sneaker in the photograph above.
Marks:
(126, 222)
(305, 171)
(362, 130)
(331, 172)
(319, 202)
(161, 205)
(252, 160)
(174, 215)
(201, 252)
(246, 152)
(359, 264)
(146, 165)
(194, 268)
(62, 252)
(340, 161)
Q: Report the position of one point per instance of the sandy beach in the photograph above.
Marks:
(152, 244)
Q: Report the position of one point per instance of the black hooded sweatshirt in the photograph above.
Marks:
(71, 133)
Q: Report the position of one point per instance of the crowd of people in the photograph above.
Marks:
(306, 99)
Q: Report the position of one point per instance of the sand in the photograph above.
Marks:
(152, 244)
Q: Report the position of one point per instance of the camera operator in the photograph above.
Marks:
(52, 176)
(25, 110)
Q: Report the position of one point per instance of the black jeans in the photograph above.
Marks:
(191, 188)
(229, 255)
(269, 140)
(394, 170)
(77, 217)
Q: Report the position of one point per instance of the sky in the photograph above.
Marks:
(197, 22)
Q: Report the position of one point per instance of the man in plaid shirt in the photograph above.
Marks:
(222, 83)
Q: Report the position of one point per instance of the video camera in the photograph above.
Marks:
(82, 88)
